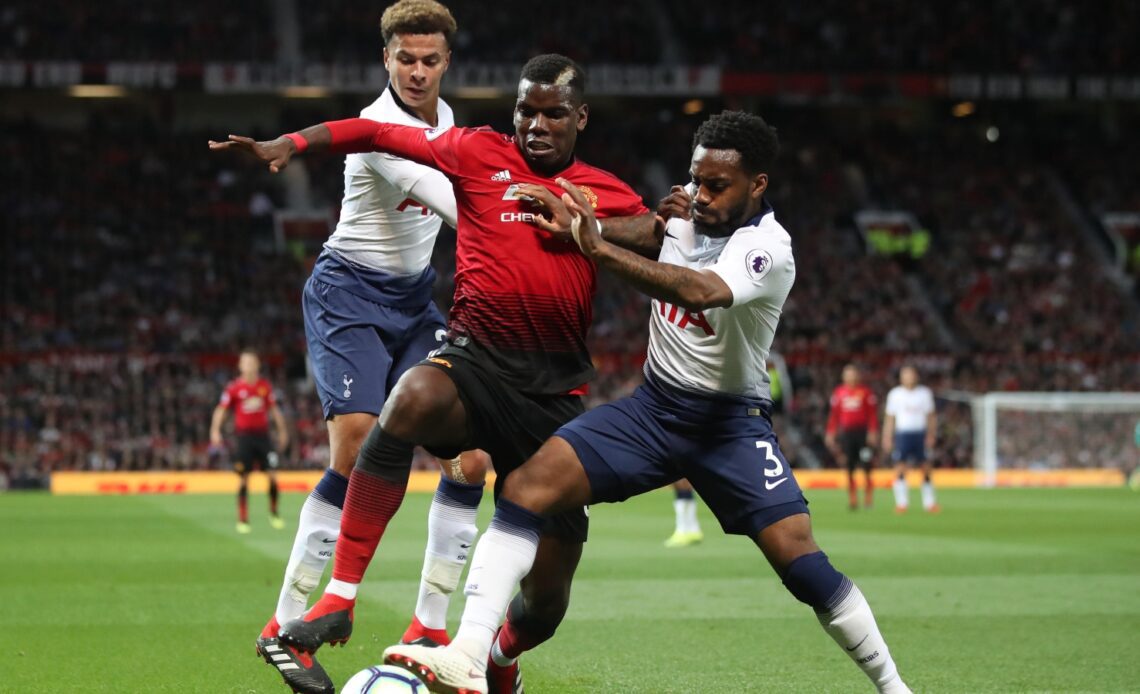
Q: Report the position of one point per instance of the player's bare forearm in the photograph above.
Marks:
(282, 430)
(689, 289)
(216, 421)
(637, 234)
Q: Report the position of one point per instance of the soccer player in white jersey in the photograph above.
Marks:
(909, 433)
(718, 289)
(369, 317)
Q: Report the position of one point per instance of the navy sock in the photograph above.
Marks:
(332, 488)
(513, 519)
(814, 581)
(450, 492)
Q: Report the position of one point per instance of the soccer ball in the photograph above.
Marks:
(384, 679)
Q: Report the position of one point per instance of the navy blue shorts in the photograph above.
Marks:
(364, 329)
(910, 446)
(724, 445)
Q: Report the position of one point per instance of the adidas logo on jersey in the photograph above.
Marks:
(504, 175)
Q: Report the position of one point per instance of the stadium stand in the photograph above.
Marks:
(134, 266)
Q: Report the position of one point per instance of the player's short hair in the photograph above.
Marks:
(552, 68)
(249, 350)
(417, 17)
(746, 133)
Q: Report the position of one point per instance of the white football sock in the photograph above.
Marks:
(679, 516)
(853, 627)
(928, 500)
(451, 532)
(317, 532)
(501, 559)
(691, 523)
(901, 492)
(499, 657)
(342, 589)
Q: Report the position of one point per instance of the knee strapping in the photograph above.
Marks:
(386, 456)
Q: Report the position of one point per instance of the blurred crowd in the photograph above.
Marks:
(129, 287)
(109, 30)
(1057, 36)
(134, 267)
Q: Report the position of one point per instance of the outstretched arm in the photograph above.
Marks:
(352, 135)
(692, 290)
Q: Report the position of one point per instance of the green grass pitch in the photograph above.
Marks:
(1005, 591)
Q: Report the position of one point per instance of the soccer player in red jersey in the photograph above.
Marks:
(251, 398)
(516, 360)
(853, 431)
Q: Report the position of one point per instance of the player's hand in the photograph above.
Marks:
(276, 153)
(829, 441)
(872, 439)
(676, 204)
(282, 441)
(583, 223)
(552, 217)
(215, 439)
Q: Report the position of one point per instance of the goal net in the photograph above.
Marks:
(1053, 431)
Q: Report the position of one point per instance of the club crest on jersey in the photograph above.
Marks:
(590, 195)
(759, 264)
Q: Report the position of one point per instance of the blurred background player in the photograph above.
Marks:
(251, 398)
(853, 431)
(369, 316)
(910, 426)
(686, 528)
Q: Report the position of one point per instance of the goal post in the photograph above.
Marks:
(1055, 430)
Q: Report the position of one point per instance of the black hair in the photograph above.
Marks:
(552, 68)
(746, 133)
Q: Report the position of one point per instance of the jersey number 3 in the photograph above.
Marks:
(778, 468)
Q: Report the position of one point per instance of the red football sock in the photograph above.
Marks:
(868, 491)
(417, 630)
(369, 504)
(243, 506)
(852, 495)
(513, 642)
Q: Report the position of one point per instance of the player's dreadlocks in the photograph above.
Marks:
(417, 17)
(551, 68)
(746, 133)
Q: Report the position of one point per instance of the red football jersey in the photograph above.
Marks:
(250, 403)
(853, 408)
(525, 298)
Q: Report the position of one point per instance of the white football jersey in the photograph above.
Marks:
(910, 407)
(381, 227)
(724, 350)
